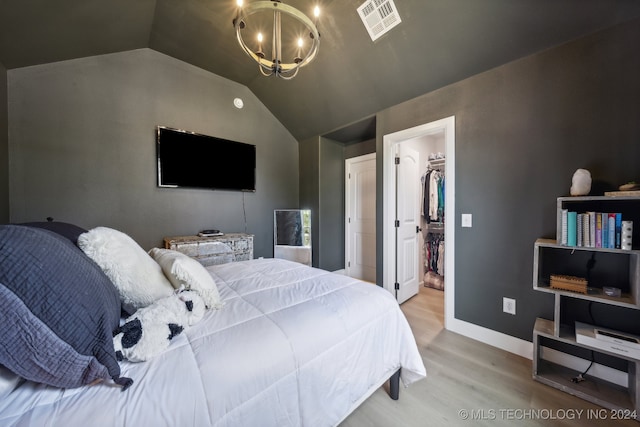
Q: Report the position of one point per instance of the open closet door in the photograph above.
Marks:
(408, 191)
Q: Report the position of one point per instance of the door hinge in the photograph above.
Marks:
(397, 285)
(397, 160)
(397, 223)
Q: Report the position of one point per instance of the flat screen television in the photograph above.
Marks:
(191, 160)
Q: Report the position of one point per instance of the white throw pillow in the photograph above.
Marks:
(137, 276)
(183, 270)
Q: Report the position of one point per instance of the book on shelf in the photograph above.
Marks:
(572, 222)
(591, 229)
(598, 230)
(586, 230)
(579, 230)
(563, 226)
(618, 231)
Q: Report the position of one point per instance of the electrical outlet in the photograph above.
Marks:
(509, 305)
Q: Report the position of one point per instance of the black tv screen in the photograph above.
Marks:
(188, 159)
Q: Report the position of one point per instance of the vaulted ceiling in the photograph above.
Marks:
(438, 42)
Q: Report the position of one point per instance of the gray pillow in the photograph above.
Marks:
(58, 313)
(70, 231)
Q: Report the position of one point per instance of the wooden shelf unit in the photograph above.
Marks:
(616, 268)
(553, 258)
(629, 206)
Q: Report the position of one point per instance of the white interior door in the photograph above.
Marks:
(360, 221)
(408, 221)
(389, 142)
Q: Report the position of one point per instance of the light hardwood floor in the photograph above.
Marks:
(466, 378)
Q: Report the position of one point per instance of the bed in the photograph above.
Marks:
(291, 345)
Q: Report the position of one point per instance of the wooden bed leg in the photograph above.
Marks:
(394, 385)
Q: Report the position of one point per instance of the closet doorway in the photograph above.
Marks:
(435, 143)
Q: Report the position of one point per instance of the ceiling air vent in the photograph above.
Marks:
(378, 16)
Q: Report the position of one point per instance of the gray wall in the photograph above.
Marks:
(331, 205)
(309, 190)
(4, 148)
(322, 190)
(521, 131)
(82, 147)
(356, 149)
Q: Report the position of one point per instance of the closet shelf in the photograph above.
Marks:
(434, 227)
(436, 163)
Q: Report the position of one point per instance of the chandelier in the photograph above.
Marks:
(262, 17)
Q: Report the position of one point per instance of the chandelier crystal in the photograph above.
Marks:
(261, 17)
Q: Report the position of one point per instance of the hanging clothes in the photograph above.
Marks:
(433, 195)
(440, 211)
(434, 261)
(440, 261)
(434, 253)
(426, 184)
(432, 208)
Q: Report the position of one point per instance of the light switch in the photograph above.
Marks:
(466, 220)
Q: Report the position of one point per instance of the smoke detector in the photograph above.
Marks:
(378, 17)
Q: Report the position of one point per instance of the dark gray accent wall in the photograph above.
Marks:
(359, 148)
(322, 183)
(4, 148)
(322, 191)
(82, 147)
(309, 190)
(522, 130)
(331, 205)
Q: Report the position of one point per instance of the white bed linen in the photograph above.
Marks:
(292, 346)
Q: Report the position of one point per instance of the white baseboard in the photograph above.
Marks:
(343, 271)
(489, 336)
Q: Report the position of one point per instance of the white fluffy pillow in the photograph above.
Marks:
(183, 270)
(137, 276)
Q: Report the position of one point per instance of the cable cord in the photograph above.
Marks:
(590, 264)
(580, 377)
(244, 212)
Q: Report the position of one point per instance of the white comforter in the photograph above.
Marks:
(292, 346)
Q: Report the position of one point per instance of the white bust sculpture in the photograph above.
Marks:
(581, 183)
